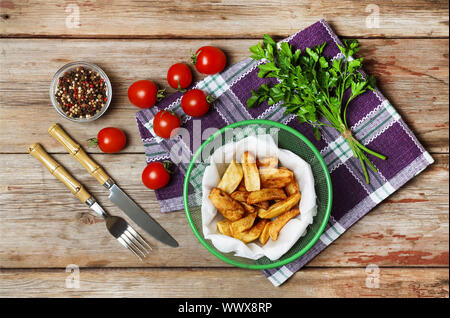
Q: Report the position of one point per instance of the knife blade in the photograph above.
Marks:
(139, 216)
(117, 196)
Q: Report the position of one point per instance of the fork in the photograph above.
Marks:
(116, 226)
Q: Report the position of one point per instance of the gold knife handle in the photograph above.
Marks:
(78, 153)
(59, 172)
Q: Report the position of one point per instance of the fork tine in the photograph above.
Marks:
(136, 242)
(139, 238)
(124, 243)
(132, 244)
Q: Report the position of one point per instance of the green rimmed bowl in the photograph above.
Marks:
(288, 138)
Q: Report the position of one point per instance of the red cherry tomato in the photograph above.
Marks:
(195, 103)
(209, 60)
(179, 76)
(111, 140)
(144, 94)
(164, 123)
(155, 176)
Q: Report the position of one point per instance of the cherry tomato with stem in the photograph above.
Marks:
(179, 76)
(156, 174)
(109, 140)
(165, 123)
(144, 94)
(195, 102)
(209, 60)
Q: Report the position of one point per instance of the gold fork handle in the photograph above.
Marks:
(78, 153)
(59, 172)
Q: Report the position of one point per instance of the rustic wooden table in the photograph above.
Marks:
(405, 44)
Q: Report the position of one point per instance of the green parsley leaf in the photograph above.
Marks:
(312, 86)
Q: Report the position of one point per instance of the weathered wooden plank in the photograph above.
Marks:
(40, 229)
(412, 73)
(220, 19)
(234, 283)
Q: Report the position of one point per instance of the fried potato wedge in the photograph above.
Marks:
(280, 222)
(224, 227)
(275, 178)
(262, 205)
(267, 162)
(261, 211)
(265, 194)
(251, 173)
(226, 205)
(242, 225)
(241, 186)
(280, 207)
(292, 187)
(264, 237)
(231, 178)
(240, 196)
(253, 233)
(249, 208)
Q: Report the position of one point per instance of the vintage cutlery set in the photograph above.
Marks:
(117, 226)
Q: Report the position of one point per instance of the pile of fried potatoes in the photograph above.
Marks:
(257, 199)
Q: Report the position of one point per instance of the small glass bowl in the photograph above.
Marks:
(69, 67)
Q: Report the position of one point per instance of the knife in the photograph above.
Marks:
(116, 195)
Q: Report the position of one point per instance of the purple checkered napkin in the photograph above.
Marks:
(373, 120)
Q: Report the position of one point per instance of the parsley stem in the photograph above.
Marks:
(371, 165)
(325, 112)
(373, 153)
(345, 110)
(366, 175)
(351, 142)
(319, 123)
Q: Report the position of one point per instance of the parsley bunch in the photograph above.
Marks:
(312, 86)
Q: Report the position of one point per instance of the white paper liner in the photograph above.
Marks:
(261, 146)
